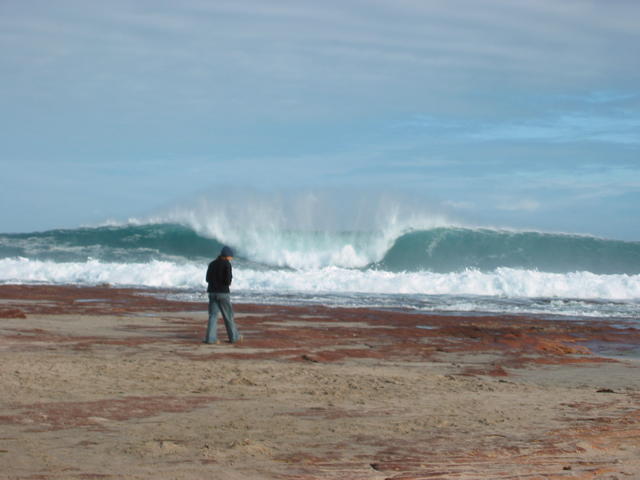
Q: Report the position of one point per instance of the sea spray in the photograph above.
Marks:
(306, 230)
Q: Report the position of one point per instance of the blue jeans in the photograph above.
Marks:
(220, 302)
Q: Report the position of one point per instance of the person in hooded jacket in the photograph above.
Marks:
(219, 276)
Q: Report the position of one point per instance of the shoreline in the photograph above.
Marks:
(313, 392)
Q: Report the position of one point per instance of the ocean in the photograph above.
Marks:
(439, 269)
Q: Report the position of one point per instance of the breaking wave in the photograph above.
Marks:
(435, 250)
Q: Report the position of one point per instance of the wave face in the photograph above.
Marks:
(455, 249)
(130, 243)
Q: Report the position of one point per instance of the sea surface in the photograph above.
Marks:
(444, 269)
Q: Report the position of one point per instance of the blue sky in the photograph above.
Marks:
(520, 114)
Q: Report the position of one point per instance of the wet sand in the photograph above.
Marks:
(114, 383)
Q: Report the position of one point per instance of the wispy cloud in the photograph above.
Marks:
(600, 97)
(601, 125)
(567, 128)
(460, 204)
(518, 205)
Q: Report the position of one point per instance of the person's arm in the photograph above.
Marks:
(228, 274)
(208, 276)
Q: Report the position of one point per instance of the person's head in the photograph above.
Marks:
(226, 252)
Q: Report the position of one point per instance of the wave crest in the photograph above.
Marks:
(305, 231)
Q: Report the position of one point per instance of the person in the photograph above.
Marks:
(219, 276)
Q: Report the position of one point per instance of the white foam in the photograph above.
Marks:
(502, 282)
(505, 282)
(153, 274)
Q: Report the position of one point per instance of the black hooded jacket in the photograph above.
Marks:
(219, 276)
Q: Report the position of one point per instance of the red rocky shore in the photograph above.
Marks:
(592, 433)
(520, 339)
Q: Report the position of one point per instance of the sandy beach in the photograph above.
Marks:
(113, 383)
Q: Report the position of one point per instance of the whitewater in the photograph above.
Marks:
(389, 261)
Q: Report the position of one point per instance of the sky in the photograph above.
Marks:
(522, 114)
